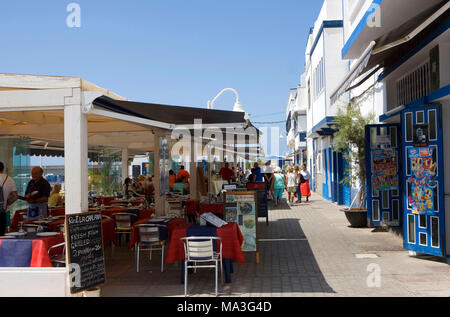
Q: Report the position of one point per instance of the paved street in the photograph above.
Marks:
(307, 250)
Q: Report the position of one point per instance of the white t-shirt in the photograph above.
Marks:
(291, 180)
(8, 187)
(306, 175)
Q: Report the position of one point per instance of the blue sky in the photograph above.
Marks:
(175, 52)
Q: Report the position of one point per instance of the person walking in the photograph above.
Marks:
(304, 187)
(8, 195)
(291, 185)
(279, 185)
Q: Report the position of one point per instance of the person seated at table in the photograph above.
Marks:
(172, 178)
(129, 190)
(226, 173)
(149, 189)
(183, 173)
(182, 187)
(37, 194)
(55, 198)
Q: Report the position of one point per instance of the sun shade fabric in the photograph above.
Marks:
(389, 57)
(169, 114)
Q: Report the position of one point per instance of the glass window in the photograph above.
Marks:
(395, 210)
(423, 238)
(385, 199)
(420, 117)
(423, 221)
(411, 229)
(393, 137)
(409, 127)
(376, 210)
(432, 124)
(373, 138)
(435, 232)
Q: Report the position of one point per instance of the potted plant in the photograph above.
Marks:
(349, 140)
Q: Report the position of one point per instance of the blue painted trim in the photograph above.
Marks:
(437, 32)
(325, 120)
(359, 28)
(326, 24)
(438, 94)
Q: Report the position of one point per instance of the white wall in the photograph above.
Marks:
(444, 63)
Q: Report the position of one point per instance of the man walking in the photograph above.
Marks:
(8, 195)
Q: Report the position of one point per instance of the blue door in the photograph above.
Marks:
(423, 180)
(383, 159)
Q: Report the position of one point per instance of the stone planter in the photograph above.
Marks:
(356, 217)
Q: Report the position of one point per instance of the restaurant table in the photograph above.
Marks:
(230, 234)
(216, 208)
(108, 230)
(29, 250)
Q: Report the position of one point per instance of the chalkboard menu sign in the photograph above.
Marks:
(261, 198)
(85, 250)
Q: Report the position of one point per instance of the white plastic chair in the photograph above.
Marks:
(201, 250)
(149, 241)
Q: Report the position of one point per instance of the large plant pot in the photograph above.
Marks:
(356, 217)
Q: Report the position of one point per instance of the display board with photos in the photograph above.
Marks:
(240, 207)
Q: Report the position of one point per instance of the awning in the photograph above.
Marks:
(386, 50)
(169, 114)
(354, 73)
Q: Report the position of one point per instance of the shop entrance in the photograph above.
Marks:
(423, 180)
(383, 166)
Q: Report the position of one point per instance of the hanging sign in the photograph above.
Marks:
(421, 198)
(384, 169)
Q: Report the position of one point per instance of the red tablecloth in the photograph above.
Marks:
(108, 230)
(230, 234)
(105, 200)
(192, 207)
(40, 246)
(214, 208)
(134, 238)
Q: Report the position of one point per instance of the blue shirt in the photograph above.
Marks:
(259, 175)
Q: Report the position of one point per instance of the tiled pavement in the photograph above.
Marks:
(307, 250)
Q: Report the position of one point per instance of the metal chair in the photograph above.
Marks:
(201, 250)
(59, 258)
(149, 238)
(61, 228)
(124, 223)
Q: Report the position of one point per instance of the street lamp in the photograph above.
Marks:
(237, 106)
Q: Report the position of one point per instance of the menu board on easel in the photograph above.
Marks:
(240, 207)
(85, 250)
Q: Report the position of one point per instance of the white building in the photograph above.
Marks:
(324, 69)
(402, 49)
(296, 123)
